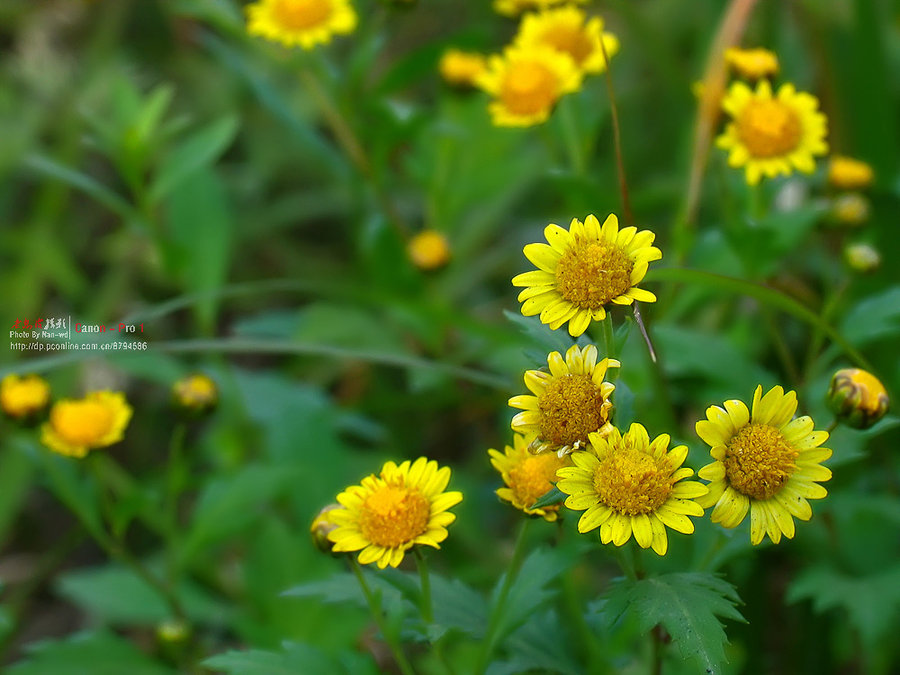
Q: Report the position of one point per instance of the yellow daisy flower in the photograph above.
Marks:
(461, 68)
(753, 64)
(95, 421)
(772, 134)
(300, 22)
(516, 7)
(526, 84)
(388, 514)
(765, 463)
(846, 173)
(631, 485)
(584, 269)
(22, 397)
(569, 403)
(528, 477)
(568, 30)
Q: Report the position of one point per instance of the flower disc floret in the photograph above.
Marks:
(569, 31)
(306, 23)
(765, 462)
(78, 426)
(526, 84)
(527, 477)
(583, 269)
(629, 485)
(772, 134)
(569, 402)
(388, 514)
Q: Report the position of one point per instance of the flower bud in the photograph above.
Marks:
(24, 398)
(195, 395)
(846, 173)
(321, 526)
(461, 68)
(862, 257)
(429, 250)
(857, 398)
(173, 631)
(850, 208)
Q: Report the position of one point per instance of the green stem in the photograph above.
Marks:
(781, 347)
(496, 618)
(833, 425)
(626, 564)
(173, 491)
(375, 608)
(756, 202)
(572, 136)
(609, 341)
(617, 137)
(425, 582)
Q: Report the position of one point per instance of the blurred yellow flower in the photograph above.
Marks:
(628, 484)
(95, 421)
(862, 257)
(772, 134)
(846, 173)
(24, 396)
(857, 397)
(388, 514)
(753, 64)
(195, 394)
(526, 84)
(568, 403)
(516, 7)
(429, 250)
(766, 462)
(568, 31)
(527, 476)
(584, 269)
(461, 68)
(306, 23)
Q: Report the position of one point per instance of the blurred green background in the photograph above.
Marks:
(161, 167)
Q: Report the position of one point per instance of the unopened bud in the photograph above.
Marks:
(851, 208)
(429, 250)
(195, 395)
(857, 398)
(321, 526)
(862, 257)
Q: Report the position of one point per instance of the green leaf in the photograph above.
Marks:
(229, 504)
(529, 590)
(293, 659)
(875, 318)
(202, 231)
(16, 473)
(200, 150)
(553, 496)
(95, 652)
(687, 605)
(543, 643)
(871, 602)
(116, 594)
(457, 606)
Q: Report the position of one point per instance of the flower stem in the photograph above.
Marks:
(375, 608)
(173, 491)
(494, 623)
(572, 135)
(425, 582)
(609, 341)
(617, 137)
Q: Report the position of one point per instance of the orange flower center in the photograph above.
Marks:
(82, 422)
(769, 128)
(528, 88)
(591, 275)
(631, 482)
(758, 461)
(571, 407)
(393, 515)
(301, 14)
(569, 39)
(531, 478)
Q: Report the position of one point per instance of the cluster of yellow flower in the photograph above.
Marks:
(770, 133)
(848, 178)
(765, 461)
(74, 427)
(553, 50)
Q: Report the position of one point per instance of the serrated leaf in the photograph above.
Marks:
(871, 602)
(456, 606)
(544, 643)
(687, 605)
(540, 334)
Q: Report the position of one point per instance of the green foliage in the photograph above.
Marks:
(687, 605)
(293, 658)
